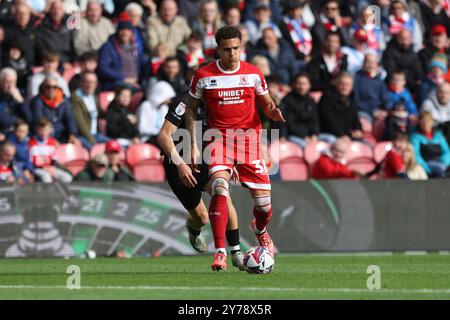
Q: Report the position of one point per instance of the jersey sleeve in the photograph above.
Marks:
(176, 113)
(261, 84)
(196, 89)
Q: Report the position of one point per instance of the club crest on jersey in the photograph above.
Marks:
(243, 80)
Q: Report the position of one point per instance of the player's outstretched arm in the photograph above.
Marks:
(168, 147)
(270, 109)
(190, 117)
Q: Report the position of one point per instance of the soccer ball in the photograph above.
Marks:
(258, 260)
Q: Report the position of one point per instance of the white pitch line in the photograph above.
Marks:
(149, 288)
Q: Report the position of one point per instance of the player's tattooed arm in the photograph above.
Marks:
(270, 109)
(190, 117)
(167, 145)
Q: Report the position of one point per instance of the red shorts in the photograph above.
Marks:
(242, 157)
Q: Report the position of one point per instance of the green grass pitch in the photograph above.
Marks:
(294, 277)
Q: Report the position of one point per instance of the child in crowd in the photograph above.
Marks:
(42, 152)
(19, 137)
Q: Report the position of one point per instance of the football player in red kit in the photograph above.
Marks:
(230, 88)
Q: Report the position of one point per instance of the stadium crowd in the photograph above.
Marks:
(104, 72)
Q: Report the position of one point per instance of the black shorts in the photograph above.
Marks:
(189, 197)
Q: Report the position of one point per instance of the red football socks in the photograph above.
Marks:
(218, 216)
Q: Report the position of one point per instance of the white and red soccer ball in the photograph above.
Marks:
(258, 260)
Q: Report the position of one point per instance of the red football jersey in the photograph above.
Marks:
(42, 153)
(5, 172)
(229, 95)
(393, 165)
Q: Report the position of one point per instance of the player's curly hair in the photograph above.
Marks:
(226, 33)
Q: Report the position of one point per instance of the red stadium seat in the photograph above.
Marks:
(359, 157)
(73, 157)
(289, 156)
(105, 99)
(366, 125)
(146, 163)
(313, 150)
(100, 148)
(380, 150)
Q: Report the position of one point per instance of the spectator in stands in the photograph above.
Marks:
(295, 31)
(152, 111)
(167, 27)
(371, 93)
(15, 59)
(94, 30)
(402, 110)
(437, 70)
(431, 148)
(172, 73)
(191, 55)
(121, 124)
(6, 8)
(87, 111)
(42, 153)
(393, 164)
(399, 93)
(38, 8)
(189, 9)
(88, 63)
(435, 12)
(11, 100)
(261, 21)
(367, 22)
(50, 63)
(19, 137)
(54, 33)
(356, 52)
(159, 55)
(331, 165)
(262, 63)
(71, 6)
(400, 19)
(280, 55)
(51, 104)
(121, 172)
(400, 55)
(325, 67)
(248, 50)
(9, 171)
(438, 44)
(329, 20)
(232, 17)
(22, 31)
(438, 105)
(207, 24)
(248, 8)
(135, 12)
(120, 59)
(301, 113)
(338, 111)
(398, 120)
(97, 170)
(414, 171)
